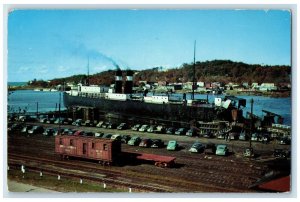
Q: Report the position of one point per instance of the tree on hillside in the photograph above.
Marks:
(215, 70)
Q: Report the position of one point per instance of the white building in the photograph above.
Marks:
(267, 87)
(254, 85)
(200, 84)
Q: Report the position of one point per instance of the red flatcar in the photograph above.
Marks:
(103, 150)
(158, 160)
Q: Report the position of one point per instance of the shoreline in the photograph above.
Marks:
(34, 88)
(272, 94)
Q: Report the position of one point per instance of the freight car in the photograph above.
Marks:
(158, 160)
(105, 151)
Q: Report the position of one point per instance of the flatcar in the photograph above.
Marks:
(105, 151)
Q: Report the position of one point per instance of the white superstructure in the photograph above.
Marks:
(156, 99)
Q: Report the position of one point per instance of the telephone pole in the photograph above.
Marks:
(194, 72)
(251, 125)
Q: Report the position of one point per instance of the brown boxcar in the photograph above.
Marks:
(103, 150)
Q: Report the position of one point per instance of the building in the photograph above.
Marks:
(231, 86)
(280, 184)
(175, 86)
(245, 84)
(188, 85)
(200, 84)
(254, 86)
(267, 87)
(162, 83)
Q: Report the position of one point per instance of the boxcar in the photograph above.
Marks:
(105, 151)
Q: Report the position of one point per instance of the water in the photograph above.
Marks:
(28, 99)
(17, 83)
(281, 106)
(48, 101)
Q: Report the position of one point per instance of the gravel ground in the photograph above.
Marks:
(13, 186)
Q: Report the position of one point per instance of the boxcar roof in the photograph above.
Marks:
(85, 138)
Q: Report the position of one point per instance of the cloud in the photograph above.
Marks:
(42, 70)
(22, 70)
(100, 68)
(62, 68)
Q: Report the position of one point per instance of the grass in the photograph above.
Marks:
(62, 185)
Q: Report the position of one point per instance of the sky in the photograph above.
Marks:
(47, 44)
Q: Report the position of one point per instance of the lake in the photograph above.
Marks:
(28, 99)
(48, 101)
(17, 83)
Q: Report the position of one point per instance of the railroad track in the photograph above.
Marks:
(159, 183)
(195, 173)
(218, 171)
(66, 169)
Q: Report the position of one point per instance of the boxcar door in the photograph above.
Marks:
(84, 149)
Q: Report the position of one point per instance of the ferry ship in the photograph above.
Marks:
(121, 100)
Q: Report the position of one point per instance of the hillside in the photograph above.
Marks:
(209, 71)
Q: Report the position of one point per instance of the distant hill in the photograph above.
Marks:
(209, 71)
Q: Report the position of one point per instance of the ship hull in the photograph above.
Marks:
(172, 112)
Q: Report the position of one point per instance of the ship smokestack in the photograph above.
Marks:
(118, 81)
(129, 82)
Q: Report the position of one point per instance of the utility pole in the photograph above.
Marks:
(88, 71)
(59, 122)
(194, 72)
(251, 126)
(37, 109)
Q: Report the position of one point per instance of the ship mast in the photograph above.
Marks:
(194, 72)
(88, 72)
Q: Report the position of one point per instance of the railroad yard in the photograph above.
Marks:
(192, 172)
(95, 114)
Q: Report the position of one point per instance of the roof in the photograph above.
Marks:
(172, 142)
(278, 185)
(88, 138)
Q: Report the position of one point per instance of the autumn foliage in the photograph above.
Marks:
(223, 71)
